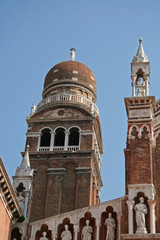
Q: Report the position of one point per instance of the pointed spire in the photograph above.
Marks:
(25, 168)
(25, 162)
(140, 56)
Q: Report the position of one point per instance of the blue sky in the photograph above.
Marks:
(37, 34)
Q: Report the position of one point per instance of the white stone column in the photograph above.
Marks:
(130, 204)
(53, 133)
(119, 215)
(66, 139)
(76, 229)
(152, 204)
(39, 141)
(133, 77)
(54, 235)
(26, 203)
(146, 85)
(98, 224)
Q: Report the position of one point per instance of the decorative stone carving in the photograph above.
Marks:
(21, 200)
(44, 234)
(139, 113)
(147, 189)
(33, 109)
(87, 231)
(141, 211)
(110, 223)
(66, 235)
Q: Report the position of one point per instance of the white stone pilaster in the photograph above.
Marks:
(98, 223)
(133, 77)
(26, 203)
(146, 85)
(130, 215)
(66, 139)
(76, 229)
(152, 204)
(54, 235)
(52, 140)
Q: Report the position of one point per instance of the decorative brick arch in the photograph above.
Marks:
(130, 132)
(157, 136)
(142, 129)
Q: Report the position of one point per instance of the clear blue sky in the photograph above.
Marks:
(36, 35)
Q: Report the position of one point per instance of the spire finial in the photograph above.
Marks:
(72, 53)
(140, 56)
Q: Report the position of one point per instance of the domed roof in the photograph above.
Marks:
(70, 71)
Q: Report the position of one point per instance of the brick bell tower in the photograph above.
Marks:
(65, 142)
(142, 157)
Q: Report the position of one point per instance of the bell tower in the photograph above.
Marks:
(65, 142)
(139, 152)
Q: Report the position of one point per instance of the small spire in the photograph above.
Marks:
(72, 53)
(140, 56)
(25, 167)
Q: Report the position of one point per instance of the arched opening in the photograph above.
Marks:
(20, 188)
(74, 137)
(143, 204)
(45, 137)
(61, 228)
(44, 228)
(104, 216)
(15, 234)
(91, 223)
(59, 137)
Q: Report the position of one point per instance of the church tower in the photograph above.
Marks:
(65, 142)
(140, 149)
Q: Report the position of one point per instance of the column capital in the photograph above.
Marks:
(98, 222)
(152, 203)
(66, 132)
(54, 234)
(133, 76)
(53, 132)
(146, 77)
(130, 203)
(76, 228)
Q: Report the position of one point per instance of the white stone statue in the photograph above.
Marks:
(66, 235)
(140, 88)
(87, 232)
(33, 109)
(110, 223)
(44, 234)
(141, 211)
(21, 200)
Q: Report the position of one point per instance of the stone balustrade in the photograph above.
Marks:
(69, 98)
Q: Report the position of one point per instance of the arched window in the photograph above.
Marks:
(16, 234)
(74, 137)
(45, 137)
(59, 137)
